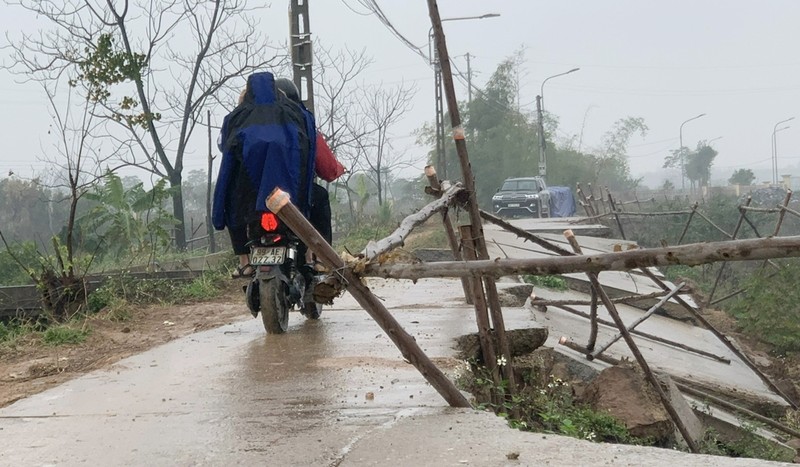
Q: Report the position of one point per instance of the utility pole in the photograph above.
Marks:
(302, 53)
(469, 79)
(212, 244)
(441, 161)
(542, 142)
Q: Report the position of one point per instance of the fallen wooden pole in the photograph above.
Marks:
(712, 224)
(689, 255)
(279, 203)
(648, 373)
(636, 323)
(398, 237)
(524, 234)
(722, 337)
(648, 336)
(626, 300)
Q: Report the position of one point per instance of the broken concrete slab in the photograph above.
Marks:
(521, 342)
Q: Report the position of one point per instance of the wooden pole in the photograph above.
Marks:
(693, 254)
(398, 237)
(468, 177)
(616, 214)
(212, 244)
(688, 221)
(481, 311)
(724, 339)
(712, 224)
(433, 181)
(279, 203)
(524, 234)
(593, 325)
(636, 323)
(612, 310)
(733, 237)
(648, 336)
(626, 300)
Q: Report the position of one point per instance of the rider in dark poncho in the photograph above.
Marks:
(266, 142)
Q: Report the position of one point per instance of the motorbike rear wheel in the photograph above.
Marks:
(274, 301)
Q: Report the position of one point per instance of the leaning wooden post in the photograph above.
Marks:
(612, 310)
(616, 213)
(279, 203)
(481, 311)
(733, 237)
(433, 181)
(585, 202)
(593, 328)
(468, 177)
(688, 221)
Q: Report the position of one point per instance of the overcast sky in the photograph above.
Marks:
(737, 61)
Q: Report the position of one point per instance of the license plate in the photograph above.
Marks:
(267, 255)
(513, 205)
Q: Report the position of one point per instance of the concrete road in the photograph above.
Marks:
(233, 396)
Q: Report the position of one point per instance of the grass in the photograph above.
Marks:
(64, 334)
(548, 282)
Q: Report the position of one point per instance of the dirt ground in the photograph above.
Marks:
(31, 367)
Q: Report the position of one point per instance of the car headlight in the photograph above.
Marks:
(496, 198)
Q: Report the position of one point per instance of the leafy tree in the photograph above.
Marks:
(156, 93)
(742, 177)
(128, 221)
(698, 164)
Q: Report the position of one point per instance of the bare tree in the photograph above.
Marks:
(153, 66)
(382, 109)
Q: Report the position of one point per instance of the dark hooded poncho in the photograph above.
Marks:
(267, 141)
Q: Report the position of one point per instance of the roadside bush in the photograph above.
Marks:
(770, 307)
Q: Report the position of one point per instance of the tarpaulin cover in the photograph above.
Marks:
(562, 203)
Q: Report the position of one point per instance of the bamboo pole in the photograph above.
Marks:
(612, 310)
(279, 203)
(636, 323)
(459, 138)
(693, 254)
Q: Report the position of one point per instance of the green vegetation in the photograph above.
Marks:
(356, 238)
(549, 282)
(770, 307)
(549, 408)
(749, 444)
(118, 292)
(64, 334)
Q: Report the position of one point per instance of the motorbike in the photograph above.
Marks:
(282, 279)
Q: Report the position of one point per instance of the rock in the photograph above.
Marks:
(520, 341)
(624, 393)
(539, 367)
(514, 295)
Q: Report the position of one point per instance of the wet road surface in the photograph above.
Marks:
(234, 396)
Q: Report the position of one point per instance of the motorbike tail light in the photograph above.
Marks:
(269, 222)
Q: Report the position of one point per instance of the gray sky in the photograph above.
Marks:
(737, 61)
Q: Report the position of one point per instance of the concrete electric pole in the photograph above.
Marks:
(302, 52)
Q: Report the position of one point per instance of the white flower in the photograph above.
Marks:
(501, 361)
